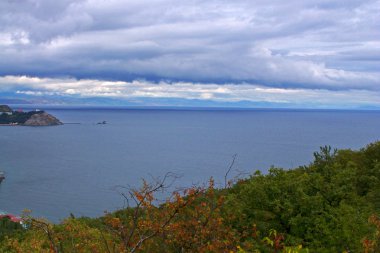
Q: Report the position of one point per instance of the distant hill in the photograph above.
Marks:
(42, 119)
(31, 118)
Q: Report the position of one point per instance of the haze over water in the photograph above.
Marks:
(74, 168)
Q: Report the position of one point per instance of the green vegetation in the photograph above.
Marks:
(324, 206)
(5, 108)
(9, 228)
(17, 117)
(331, 205)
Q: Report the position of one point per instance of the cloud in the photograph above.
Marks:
(211, 92)
(293, 45)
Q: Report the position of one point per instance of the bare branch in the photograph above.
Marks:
(44, 226)
(229, 170)
(105, 242)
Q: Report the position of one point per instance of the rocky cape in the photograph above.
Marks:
(8, 117)
(42, 119)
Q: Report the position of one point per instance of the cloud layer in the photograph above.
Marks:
(143, 92)
(315, 46)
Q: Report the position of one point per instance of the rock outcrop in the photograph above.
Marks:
(42, 119)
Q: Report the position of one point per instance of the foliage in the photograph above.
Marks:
(9, 228)
(188, 221)
(17, 117)
(371, 244)
(331, 205)
(323, 206)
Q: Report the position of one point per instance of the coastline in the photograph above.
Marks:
(15, 124)
(9, 117)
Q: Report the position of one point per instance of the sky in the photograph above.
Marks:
(217, 53)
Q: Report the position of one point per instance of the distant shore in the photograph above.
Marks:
(15, 124)
(9, 117)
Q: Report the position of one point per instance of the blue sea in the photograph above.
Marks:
(76, 168)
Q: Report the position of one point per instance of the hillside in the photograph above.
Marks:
(330, 205)
(42, 119)
(31, 118)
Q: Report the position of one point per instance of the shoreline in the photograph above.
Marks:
(10, 125)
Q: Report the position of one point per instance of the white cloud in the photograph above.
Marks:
(185, 90)
(292, 45)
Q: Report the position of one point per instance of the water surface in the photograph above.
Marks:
(74, 168)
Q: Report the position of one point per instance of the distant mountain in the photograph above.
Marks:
(12, 101)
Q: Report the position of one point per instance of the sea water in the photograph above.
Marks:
(79, 168)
